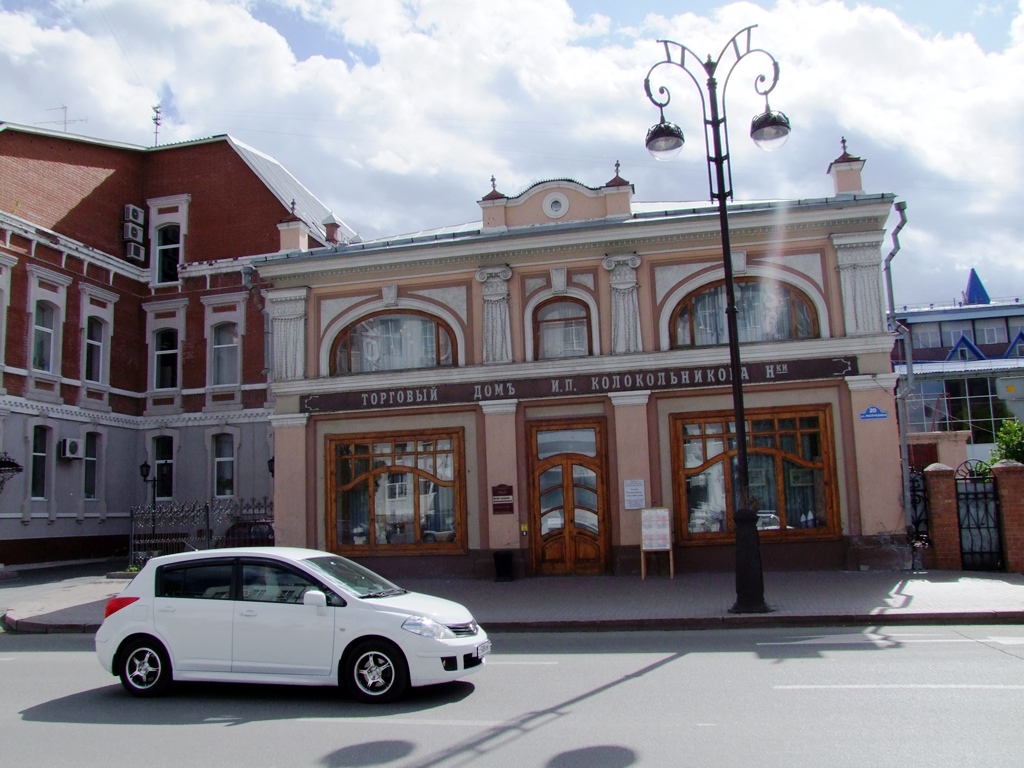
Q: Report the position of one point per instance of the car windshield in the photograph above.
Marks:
(362, 581)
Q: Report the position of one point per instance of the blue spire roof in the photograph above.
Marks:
(975, 292)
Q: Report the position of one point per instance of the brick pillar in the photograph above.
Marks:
(943, 518)
(1010, 487)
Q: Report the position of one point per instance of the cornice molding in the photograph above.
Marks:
(481, 253)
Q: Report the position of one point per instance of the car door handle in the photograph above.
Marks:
(167, 609)
(249, 612)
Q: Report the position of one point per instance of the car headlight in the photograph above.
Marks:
(421, 625)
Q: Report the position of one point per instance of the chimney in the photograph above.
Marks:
(493, 209)
(294, 232)
(845, 172)
(332, 226)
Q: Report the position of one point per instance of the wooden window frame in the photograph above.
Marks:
(457, 546)
(537, 349)
(346, 332)
(831, 530)
(687, 303)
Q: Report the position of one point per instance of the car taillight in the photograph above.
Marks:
(117, 603)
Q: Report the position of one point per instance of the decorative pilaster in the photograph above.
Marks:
(497, 325)
(860, 275)
(288, 332)
(625, 306)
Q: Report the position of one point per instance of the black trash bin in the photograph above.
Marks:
(504, 569)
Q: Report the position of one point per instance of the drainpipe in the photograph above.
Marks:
(908, 349)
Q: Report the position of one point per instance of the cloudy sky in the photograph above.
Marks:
(396, 113)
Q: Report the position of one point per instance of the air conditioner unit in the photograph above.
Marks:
(72, 448)
(132, 232)
(134, 214)
(135, 252)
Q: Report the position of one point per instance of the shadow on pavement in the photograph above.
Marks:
(231, 704)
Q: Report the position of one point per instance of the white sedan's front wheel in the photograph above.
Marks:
(375, 672)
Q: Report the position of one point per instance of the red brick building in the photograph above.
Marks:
(133, 331)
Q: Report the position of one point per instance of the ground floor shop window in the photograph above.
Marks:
(396, 492)
(790, 465)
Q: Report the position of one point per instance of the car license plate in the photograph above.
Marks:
(483, 649)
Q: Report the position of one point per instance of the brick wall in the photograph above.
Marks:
(1010, 485)
(943, 518)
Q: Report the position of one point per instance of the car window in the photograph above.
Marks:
(266, 583)
(208, 581)
(362, 581)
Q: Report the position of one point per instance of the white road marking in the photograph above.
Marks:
(888, 640)
(492, 662)
(900, 686)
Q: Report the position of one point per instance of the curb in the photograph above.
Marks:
(35, 627)
(759, 621)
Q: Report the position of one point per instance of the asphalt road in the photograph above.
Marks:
(912, 696)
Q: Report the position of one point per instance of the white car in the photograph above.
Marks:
(283, 615)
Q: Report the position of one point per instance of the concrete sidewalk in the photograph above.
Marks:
(605, 603)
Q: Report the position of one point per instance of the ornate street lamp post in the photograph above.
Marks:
(144, 470)
(769, 131)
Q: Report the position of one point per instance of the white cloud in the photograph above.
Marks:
(440, 94)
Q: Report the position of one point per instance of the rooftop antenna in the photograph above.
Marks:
(157, 120)
(63, 121)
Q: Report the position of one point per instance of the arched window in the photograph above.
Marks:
(766, 311)
(392, 342)
(561, 328)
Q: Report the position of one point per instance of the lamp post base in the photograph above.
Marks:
(749, 576)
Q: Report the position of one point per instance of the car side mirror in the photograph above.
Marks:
(314, 597)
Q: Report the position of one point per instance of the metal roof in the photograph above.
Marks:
(276, 177)
(288, 189)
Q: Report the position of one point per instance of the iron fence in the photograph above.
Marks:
(170, 527)
(981, 546)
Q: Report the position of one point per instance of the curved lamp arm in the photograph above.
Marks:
(769, 129)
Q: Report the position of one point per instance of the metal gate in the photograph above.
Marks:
(977, 504)
(179, 527)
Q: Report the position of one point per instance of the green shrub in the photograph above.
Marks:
(1009, 442)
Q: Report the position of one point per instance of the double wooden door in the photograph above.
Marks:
(568, 498)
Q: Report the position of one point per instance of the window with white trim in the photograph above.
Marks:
(91, 464)
(168, 236)
(95, 335)
(40, 456)
(168, 253)
(165, 359)
(225, 357)
(163, 456)
(46, 307)
(223, 465)
(43, 326)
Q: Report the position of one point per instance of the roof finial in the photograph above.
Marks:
(616, 167)
(843, 142)
(293, 206)
(494, 183)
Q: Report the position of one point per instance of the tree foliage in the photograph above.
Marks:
(1009, 442)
